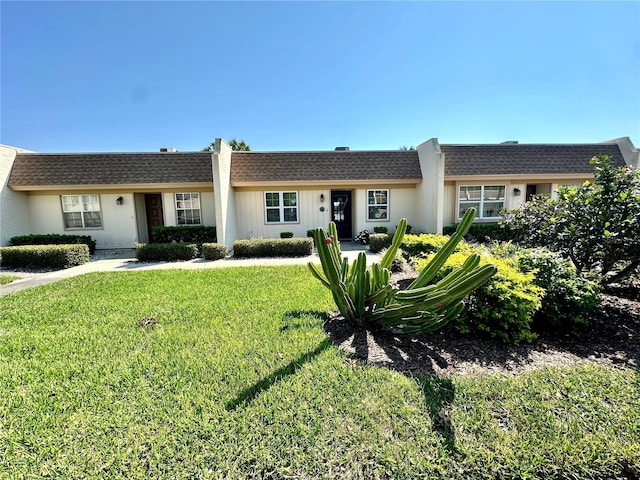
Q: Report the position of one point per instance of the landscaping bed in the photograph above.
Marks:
(612, 339)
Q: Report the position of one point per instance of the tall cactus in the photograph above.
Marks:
(365, 296)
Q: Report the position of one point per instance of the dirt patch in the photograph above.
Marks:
(613, 339)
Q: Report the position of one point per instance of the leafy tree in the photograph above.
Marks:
(596, 225)
(404, 147)
(239, 145)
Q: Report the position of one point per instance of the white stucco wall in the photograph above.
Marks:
(225, 208)
(14, 217)
(430, 193)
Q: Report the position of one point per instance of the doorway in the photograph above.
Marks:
(153, 208)
(341, 213)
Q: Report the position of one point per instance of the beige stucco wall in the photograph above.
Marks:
(14, 217)
(402, 203)
(251, 214)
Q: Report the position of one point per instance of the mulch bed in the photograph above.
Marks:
(612, 338)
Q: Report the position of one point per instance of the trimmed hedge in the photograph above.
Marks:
(49, 256)
(273, 247)
(380, 229)
(482, 232)
(379, 241)
(166, 252)
(214, 251)
(199, 234)
(53, 239)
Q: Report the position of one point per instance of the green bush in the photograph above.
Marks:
(595, 225)
(197, 234)
(482, 232)
(502, 308)
(53, 239)
(165, 252)
(380, 229)
(213, 251)
(273, 247)
(426, 243)
(286, 234)
(570, 296)
(48, 256)
(379, 241)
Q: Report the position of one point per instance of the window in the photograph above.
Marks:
(188, 208)
(81, 211)
(488, 200)
(377, 205)
(281, 207)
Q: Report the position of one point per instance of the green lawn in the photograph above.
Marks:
(4, 279)
(238, 380)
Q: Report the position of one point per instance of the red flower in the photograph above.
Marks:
(329, 240)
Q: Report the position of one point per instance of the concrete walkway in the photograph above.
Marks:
(124, 260)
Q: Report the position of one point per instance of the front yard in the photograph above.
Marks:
(229, 373)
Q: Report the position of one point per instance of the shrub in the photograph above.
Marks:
(596, 225)
(379, 241)
(53, 239)
(380, 229)
(569, 296)
(502, 308)
(213, 251)
(286, 234)
(197, 234)
(273, 247)
(482, 232)
(48, 256)
(414, 245)
(165, 252)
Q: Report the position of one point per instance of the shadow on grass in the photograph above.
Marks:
(250, 393)
(438, 394)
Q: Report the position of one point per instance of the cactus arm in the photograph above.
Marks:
(317, 272)
(430, 271)
(390, 254)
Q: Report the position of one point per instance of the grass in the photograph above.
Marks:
(233, 377)
(5, 279)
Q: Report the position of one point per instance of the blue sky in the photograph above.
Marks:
(137, 76)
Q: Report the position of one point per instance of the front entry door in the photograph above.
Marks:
(153, 207)
(341, 213)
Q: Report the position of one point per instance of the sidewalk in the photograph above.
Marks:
(125, 260)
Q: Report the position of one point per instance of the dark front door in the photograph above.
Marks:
(531, 191)
(153, 207)
(341, 213)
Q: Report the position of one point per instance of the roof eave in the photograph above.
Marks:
(324, 183)
(133, 187)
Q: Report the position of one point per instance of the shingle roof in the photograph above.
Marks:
(38, 169)
(256, 167)
(525, 159)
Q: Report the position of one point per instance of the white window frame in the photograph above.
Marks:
(281, 208)
(189, 203)
(378, 204)
(480, 202)
(83, 204)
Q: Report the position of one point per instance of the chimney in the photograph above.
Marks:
(168, 149)
(342, 149)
